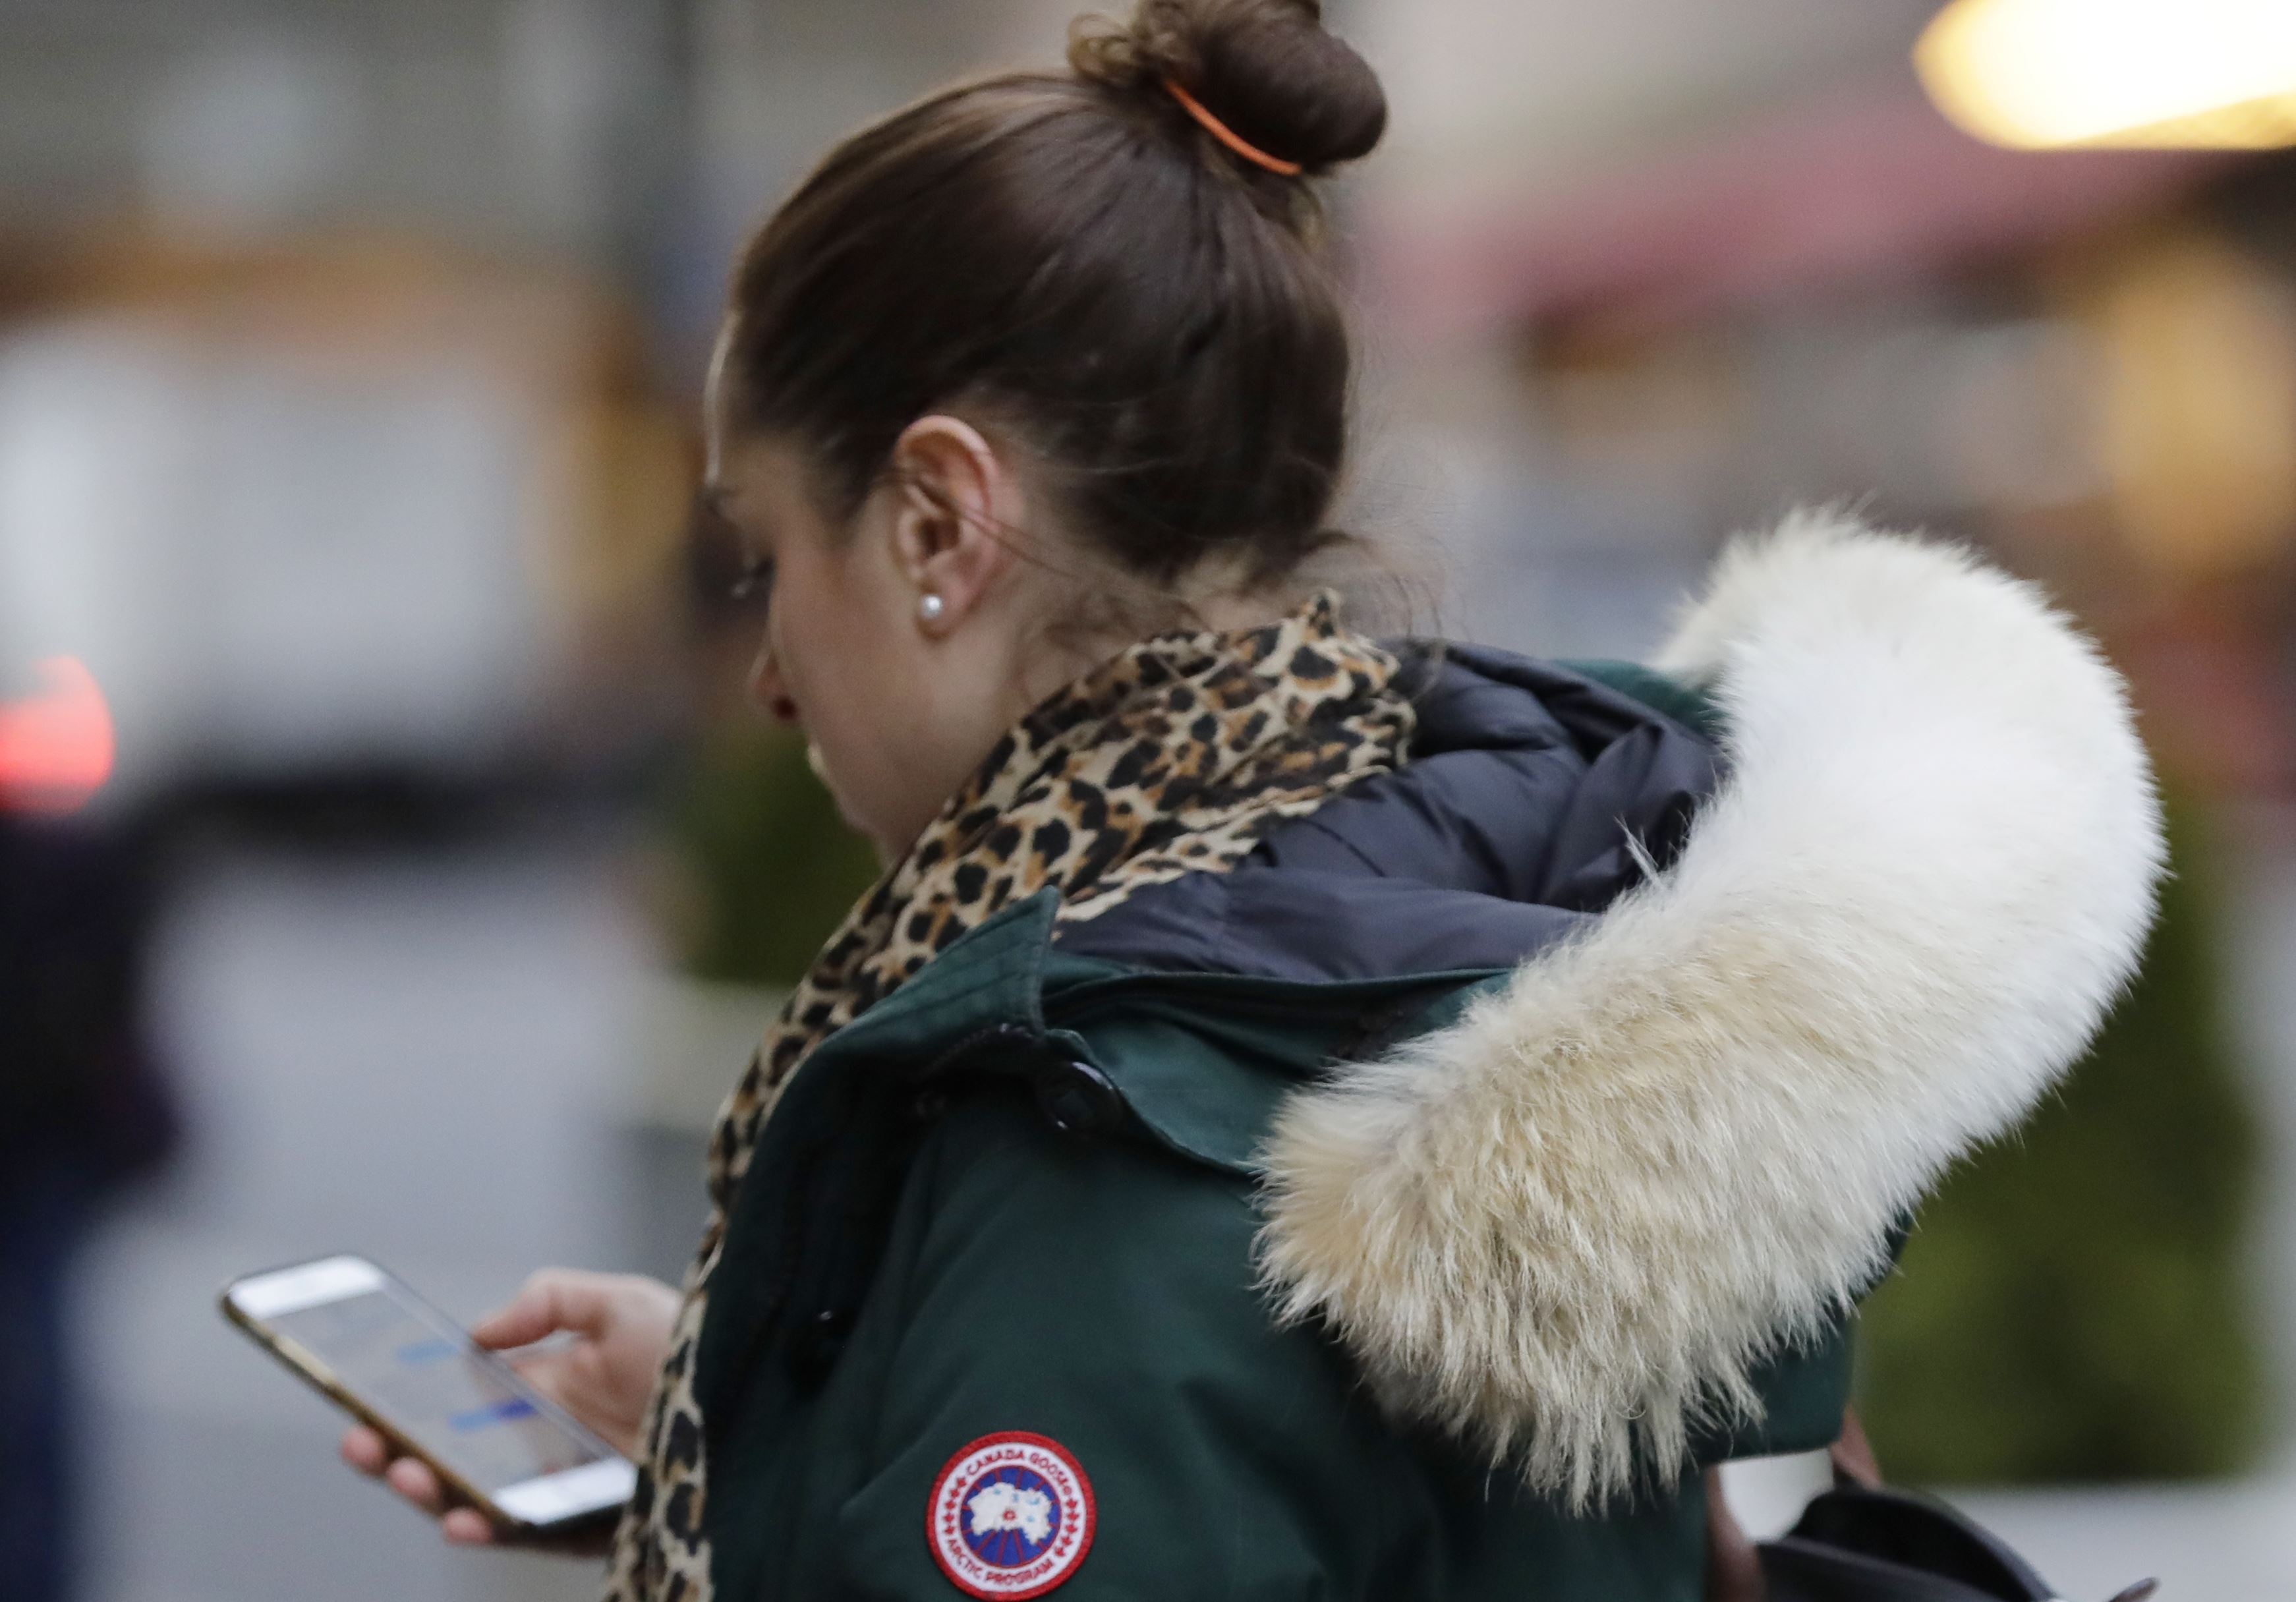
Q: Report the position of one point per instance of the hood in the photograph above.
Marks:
(1534, 795)
(1569, 1226)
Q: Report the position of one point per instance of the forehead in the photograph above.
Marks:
(713, 404)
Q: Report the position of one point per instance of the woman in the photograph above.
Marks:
(1299, 1116)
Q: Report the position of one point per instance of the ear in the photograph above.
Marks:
(960, 502)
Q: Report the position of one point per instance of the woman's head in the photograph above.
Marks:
(1051, 333)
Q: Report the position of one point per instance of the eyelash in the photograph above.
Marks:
(755, 581)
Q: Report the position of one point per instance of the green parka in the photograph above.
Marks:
(1647, 1065)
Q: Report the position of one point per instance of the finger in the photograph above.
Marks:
(364, 1450)
(466, 1527)
(416, 1482)
(535, 1365)
(547, 1369)
(552, 1300)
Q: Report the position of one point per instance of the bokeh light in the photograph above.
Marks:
(2042, 73)
(56, 746)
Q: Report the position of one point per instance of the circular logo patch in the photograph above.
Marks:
(1010, 1516)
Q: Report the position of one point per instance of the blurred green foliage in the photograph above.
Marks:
(2071, 1305)
(771, 865)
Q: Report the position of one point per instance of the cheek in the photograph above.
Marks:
(853, 693)
(812, 635)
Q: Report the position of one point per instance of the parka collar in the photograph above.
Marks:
(1200, 1063)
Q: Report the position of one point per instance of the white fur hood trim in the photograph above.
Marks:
(1569, 1226)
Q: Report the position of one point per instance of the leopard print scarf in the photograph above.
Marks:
(1173, 757)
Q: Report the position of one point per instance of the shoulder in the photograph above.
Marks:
(1140, 1112)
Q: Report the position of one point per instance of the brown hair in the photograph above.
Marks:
(1078, 257)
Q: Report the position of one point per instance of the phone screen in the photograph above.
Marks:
(427, 1377)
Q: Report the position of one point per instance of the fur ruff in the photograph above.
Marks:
(1569, 1226)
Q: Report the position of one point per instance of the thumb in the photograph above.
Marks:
(553, 1300)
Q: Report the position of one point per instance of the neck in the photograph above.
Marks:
(1051, 640)
(1217, 595)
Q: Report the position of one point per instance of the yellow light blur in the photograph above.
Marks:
(2041, 73)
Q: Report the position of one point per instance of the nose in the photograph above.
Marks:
(768, 689)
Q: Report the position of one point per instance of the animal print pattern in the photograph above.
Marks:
(1173, 757)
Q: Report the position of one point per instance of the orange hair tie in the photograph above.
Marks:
(1228, 137)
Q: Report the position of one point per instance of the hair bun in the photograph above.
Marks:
(1267, 69)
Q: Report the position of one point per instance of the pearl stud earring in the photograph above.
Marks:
(930, 606)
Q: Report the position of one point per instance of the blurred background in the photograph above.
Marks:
(387, 862)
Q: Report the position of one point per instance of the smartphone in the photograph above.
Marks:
(383, 1354)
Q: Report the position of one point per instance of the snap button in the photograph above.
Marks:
(1077, 1098)
(815, 1348)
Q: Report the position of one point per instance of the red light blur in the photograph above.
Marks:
(56, 747)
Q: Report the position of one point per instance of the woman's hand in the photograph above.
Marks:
(603, 1376)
